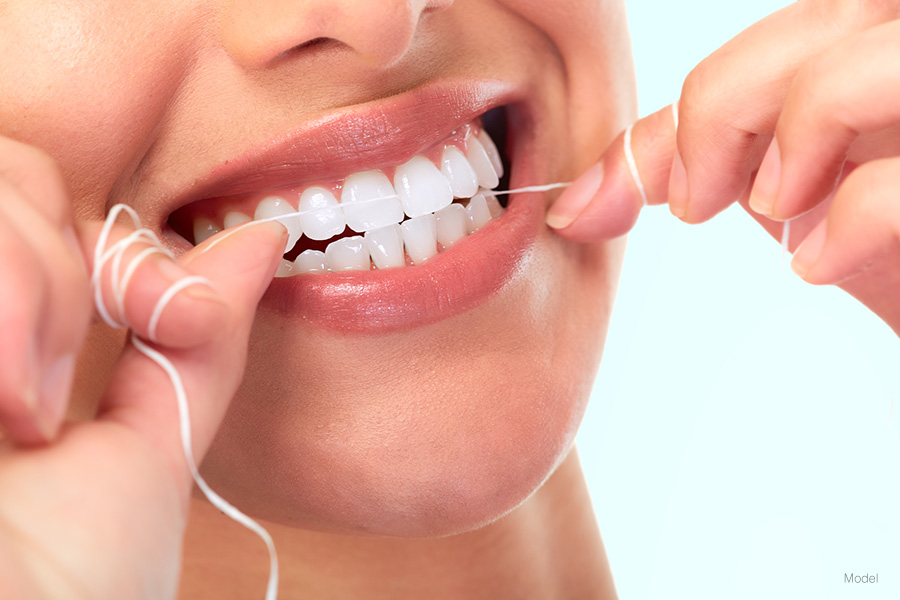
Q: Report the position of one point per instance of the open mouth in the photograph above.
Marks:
(388, 217)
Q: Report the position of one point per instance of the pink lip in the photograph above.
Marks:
(380, 134)
(400, 299)
(369, 136)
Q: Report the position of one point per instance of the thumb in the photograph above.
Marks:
(239, 265)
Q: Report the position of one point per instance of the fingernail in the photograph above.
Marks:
(809, 251)
(768, 179)
(575, 198)
(53, 397)
(678, 187)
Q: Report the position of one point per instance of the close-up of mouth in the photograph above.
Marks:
(413, 229)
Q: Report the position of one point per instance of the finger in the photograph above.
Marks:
(141, 395)
(730, 103)
(138, 284)
(44, 317)
(605, 202)
(822, 116)
(37, 176)
(861, 232)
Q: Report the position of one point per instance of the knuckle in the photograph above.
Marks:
(857, 14)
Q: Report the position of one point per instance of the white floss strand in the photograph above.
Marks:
(675, 115)
(119, 286)
(632, 165)
(785, 240)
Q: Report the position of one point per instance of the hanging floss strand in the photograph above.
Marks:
(119, 284)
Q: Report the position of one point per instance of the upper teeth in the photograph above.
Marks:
(371, 205)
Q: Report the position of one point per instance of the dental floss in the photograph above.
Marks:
(632, 165)
(785, 240)
(119, 288)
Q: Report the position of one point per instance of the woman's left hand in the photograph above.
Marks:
(797, 118)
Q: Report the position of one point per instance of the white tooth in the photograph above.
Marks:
(479, 213)
(481, 163)
(273, 206)
(494, 206)
(451, 224)
(310, 261)
(491, 148)
(385, 245)
(285, 268)
(458, 171)
(327, 220)
(233, 219)
(421, 187)
(363, 188)
(347, 254)
(204, 229)
(420, 238)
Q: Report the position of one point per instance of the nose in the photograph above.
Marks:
(257, 32)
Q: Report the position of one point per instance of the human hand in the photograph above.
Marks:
(821, 77)
(97, 509)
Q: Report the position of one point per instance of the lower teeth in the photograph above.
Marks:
(412, 242)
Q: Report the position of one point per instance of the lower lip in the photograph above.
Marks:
(392, 300)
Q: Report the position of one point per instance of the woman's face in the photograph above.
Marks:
(416, 401)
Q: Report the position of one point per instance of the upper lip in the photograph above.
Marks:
(366, 136)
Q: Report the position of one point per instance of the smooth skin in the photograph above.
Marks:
(796, 118)
(817, 76)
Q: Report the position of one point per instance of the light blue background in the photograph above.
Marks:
(739, 442)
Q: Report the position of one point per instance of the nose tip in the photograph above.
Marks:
(256, 33)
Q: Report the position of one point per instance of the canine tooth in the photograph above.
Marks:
(285, 268)
(421, 187)
(347, 254)
(479, 213)
(274, 206)
(310, 261)
(204, 229)
(233, 219)
(363, 188)
(481, 163)
(458, 171)
(451, 224)
(420, 238)
(385, 245)
(491, 148)
(494, 206)
(327, 220)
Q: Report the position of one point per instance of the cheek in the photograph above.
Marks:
(87, 82)
(420, 435)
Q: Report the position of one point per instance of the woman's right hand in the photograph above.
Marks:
(97, 509)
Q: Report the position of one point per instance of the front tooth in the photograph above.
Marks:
(233, 219)
(347, 254)
(481, 163)
(385, 245)
(491, 148)
(458, 171)
(451, 224)
(479, 213)
(273, 206)
(420, 238)
(421, 187)
(361, 209)
(204, 229)
(327, 220)
(310, 261)
(285, 268)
